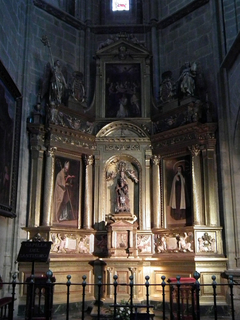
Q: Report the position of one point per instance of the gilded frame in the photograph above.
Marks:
(175, 217)
(66, 196)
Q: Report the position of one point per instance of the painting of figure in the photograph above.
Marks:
(6, 142)
(123, 90)
(66, 192)
(10, 120)
(178, 191)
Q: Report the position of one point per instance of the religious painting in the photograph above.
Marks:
(65, 208)
(177, 196)
(123, 90)
(10, 124)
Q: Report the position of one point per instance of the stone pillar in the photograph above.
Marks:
(198, 210)
(87, 45)
(88, 196)
(210, 186)
(48, 188)
(156, 197)
(154, 42)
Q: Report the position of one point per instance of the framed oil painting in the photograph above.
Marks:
(178, 195)
(123, 90)
(10, 127)
(65, 208)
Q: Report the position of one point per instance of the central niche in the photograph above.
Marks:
(122, 186)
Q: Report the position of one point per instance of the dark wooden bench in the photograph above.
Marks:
(6, 305)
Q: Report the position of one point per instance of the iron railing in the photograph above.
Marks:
(183, 299)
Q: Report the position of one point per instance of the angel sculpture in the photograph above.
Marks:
(54, 83)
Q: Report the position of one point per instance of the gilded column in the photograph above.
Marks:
(198, 211)
(37, 139)
(48, 187)
(96, 218)
(210, 187)
(109, 282)
(80, 195)
(133, 273)
(156, 197)
(146, 219)
(88, 197)
(36, 186)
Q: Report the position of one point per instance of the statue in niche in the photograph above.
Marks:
(167, 87)
(122, 196)
(122, 201)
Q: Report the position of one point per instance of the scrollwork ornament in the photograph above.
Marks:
(195, 150)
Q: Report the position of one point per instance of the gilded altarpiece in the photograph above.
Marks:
(122, 173)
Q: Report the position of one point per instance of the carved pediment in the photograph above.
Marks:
(121, 129)
(123, 49)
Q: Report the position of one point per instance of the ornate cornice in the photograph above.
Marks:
(190, 134)
(71, 137)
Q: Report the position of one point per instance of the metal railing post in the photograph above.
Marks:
(163, 284)
(68, 294)
(214, 285)
(196, 276)
(115, 277)
(84, 283)
(32, 296)
(13, 296)
(99, 294)
(178, 297)
(48, 295)
(131, 293)
(147, 293)
(231, 296)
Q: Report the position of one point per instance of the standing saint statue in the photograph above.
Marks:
(122, 188)
(122, 194)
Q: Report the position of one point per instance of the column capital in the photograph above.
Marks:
(156, 160)
(195, 150)
(88, 160)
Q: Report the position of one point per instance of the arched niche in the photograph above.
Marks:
(132, 176)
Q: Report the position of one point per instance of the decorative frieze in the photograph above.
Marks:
(174, 243)
(71, 243)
